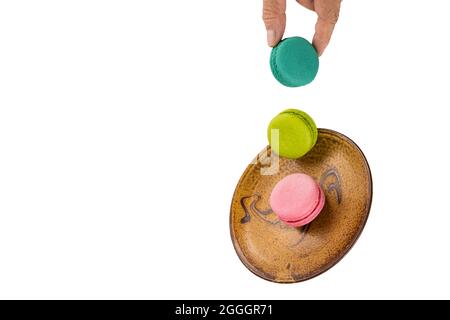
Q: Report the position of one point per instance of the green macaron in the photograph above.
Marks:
(294, 62)
(292, 133)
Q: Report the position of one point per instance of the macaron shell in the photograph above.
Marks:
(308, 120)
(297, 134)
(319, 206)
(294, 62)
(296, 198)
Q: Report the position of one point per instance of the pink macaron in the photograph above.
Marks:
(297, 199)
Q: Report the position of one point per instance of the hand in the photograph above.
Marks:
(274, 16)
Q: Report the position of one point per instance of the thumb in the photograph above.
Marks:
(274, 16)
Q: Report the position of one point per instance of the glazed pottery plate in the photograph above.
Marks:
(280, 253)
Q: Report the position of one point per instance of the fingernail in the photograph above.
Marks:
(271, 38)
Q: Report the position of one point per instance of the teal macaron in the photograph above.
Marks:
(294, 62)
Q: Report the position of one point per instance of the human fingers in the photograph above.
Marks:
(274, 16)
(328, 14)
(309, 4)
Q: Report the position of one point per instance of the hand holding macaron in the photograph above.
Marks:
(274, 16)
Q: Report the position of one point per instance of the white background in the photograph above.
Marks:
(125, 126)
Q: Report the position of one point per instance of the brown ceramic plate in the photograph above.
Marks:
(280, 253)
